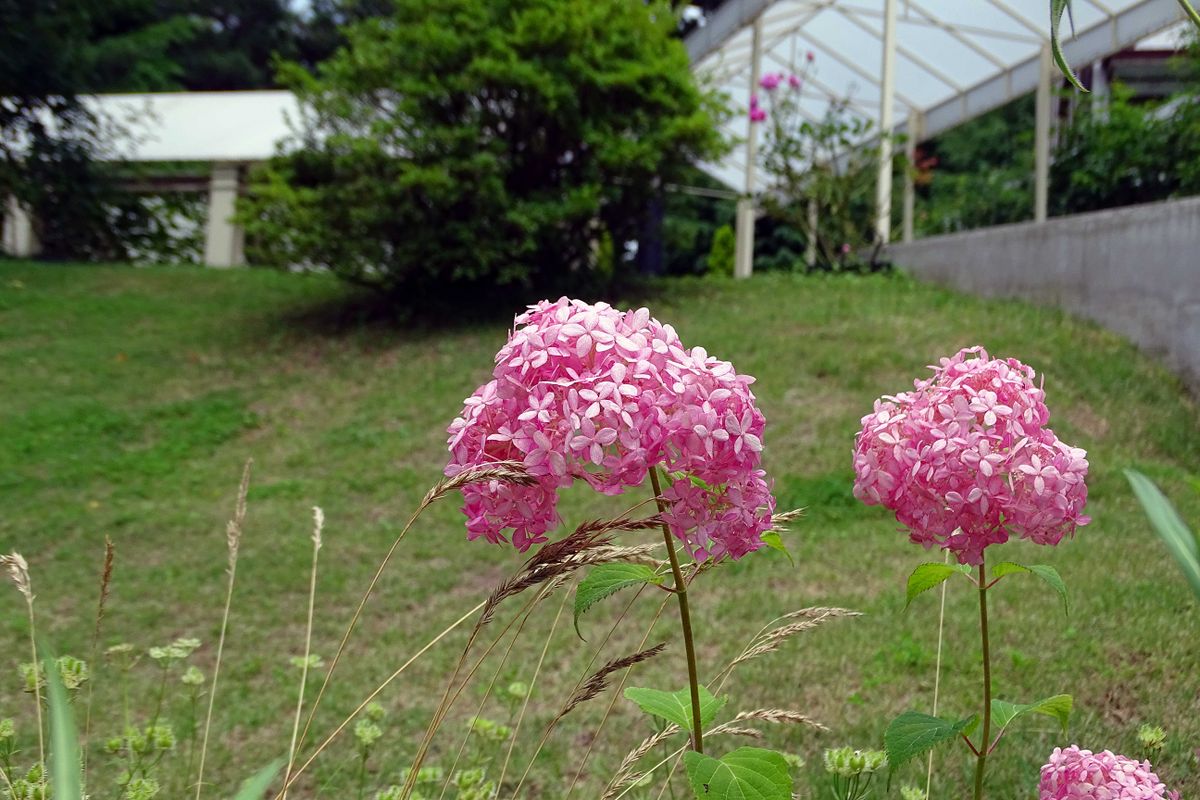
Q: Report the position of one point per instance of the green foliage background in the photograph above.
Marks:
(475, 144)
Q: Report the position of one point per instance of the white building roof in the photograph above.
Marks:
(955, 59)
(197, 126)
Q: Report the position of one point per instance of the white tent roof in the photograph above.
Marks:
(197, 126)
(955, 59)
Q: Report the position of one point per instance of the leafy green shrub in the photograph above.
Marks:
(1117, 152)
(822, 166)
(723, 253)
(465, 143)
(978, 174)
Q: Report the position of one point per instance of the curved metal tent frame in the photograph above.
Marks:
(913, 67)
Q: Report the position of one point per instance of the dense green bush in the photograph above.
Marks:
(825, 163)
(724, 251)
(978, 174)
(474, 143)
(1117, 153)
(691, 220)
(1113, 151)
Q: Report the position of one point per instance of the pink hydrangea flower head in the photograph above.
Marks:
(794, 81)
(587, 392)
(965, 459)
(1075, 774)
(771, 81)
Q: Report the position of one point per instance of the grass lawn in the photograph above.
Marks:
(131, 398)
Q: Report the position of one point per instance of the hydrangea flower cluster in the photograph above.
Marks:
(587, 392)
(1075, 774)
(965, 459)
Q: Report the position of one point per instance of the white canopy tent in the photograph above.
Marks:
(916, 67)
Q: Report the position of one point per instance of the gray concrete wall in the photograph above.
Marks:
(1134, 270)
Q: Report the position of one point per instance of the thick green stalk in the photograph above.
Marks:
(986, 738)
(1191, 12)
(685, 618)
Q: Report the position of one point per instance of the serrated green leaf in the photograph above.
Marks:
(913, 733)
(254, 787)
(773, 540)
(676, 706)
(608, 579)
(748, 773)
(929, 575)
(1044, 571)
(1169, 526)
(1057, 9)
(1059, 707)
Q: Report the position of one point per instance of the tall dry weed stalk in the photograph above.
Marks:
(318, 527)
(18, 571)
(110, 553)
(589, 544)
(504, 471)
(233, 541)
(767, 640)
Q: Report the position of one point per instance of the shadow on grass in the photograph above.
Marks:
(358, 313)
(387, 318)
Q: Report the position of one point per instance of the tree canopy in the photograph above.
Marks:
(484, 142)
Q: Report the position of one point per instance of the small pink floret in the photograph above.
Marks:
(771, 81)
(965, 459)
(1074, 774)
(587, 392)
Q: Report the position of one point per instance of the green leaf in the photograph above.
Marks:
(1044, 571)
(927, 576)
(913, 733)
(773, 540)
(1057, 9)
(65, 766)
(1169, 526)
(1191, 12)
(608, 579)
(748, 773)
(254, 787)
(676, 706)
(1059, 706)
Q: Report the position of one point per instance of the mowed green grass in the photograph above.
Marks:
(131, 398)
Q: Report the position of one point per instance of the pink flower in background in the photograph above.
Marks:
(586, 392)
(810, 56)
(794, 81)
(1075, 774)
(757, 112)
(846, 248)
(771, 81)
(966, 459)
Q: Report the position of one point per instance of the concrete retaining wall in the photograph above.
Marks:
(1134, 270)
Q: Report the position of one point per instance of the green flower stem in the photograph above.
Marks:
(981, 758)
(685, 618)
(1193, 15)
